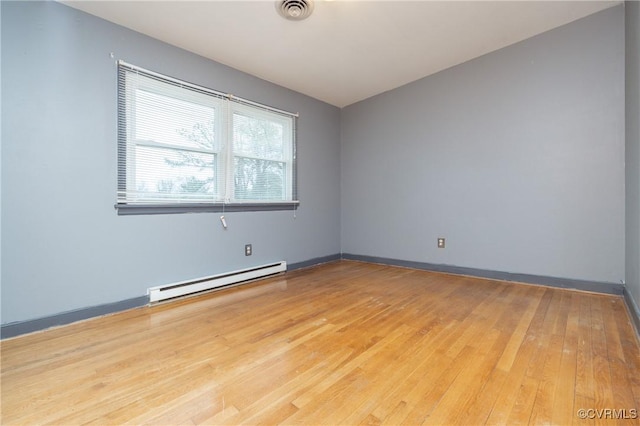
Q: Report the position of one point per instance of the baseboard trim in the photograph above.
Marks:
(634, 311)
(594, 286)
(19, 328)
(313, 262)
(15, 329)
(23, 327)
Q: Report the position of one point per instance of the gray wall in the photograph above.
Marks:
(516, 157)
(64, 247)
(633, 148)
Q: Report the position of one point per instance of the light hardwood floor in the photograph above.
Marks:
(342, 343)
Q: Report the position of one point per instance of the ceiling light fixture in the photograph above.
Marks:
(294, 10)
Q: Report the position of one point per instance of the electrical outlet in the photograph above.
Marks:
(440, 242)
(247, 250)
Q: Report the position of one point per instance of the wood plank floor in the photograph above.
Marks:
(342, 343)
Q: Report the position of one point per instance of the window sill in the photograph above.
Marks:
(146, 209)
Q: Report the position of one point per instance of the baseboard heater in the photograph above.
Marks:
(157, 294)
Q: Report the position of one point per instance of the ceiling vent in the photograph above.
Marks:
(294, 10)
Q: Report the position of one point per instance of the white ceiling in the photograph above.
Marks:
(346, 50)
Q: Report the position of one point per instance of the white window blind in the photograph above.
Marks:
(180, 143)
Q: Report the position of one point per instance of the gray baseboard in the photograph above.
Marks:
(313, 262)
(595, 286)
(634, 311)
(23, 327)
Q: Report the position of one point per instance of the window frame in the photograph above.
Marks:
(224, 106)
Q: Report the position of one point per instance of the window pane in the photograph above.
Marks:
(168, 120)
(174, 174)
(258, 137)
(259, 179)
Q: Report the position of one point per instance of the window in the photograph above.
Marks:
(183, 148)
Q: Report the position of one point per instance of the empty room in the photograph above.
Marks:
(320, 212)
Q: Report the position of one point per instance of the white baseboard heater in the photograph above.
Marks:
(170, 291)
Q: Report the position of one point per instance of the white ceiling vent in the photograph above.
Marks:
(295, 10)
